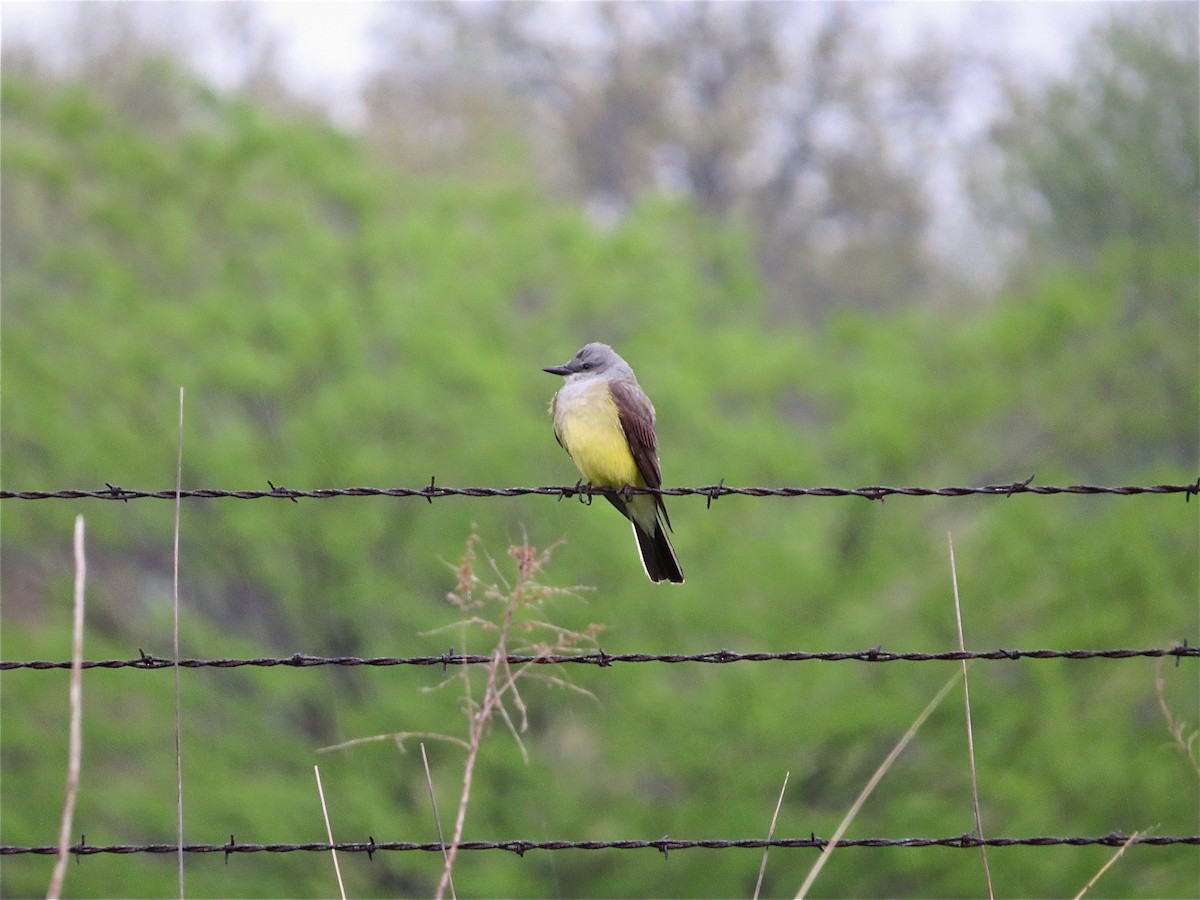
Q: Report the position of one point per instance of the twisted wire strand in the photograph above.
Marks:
(663, 845)
(604, 660)
(586, 492)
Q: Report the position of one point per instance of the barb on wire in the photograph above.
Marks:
(662, 845)
(604, 660)
(711, 492)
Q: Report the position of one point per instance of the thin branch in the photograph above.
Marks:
(399, 737)
(987, 872)
(1176, 728)
(75, 751)
(512, 728)
(337, 869)
(478, 723)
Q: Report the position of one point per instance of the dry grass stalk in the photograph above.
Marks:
(525, 594)
(987, 872)
(75, 746)
(521, 605)
(437, 817)
(872, 783)
(337, 869)
(399, 737)
(175, 607)
(1187, 743)
(1133, 837)
(762, 869)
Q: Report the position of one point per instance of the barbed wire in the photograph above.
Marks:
(587, 492)
(603, 660)
(663, 845)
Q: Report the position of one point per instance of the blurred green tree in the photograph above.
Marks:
(786, 117)
(338, 320)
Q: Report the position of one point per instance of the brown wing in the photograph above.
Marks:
(637, 421)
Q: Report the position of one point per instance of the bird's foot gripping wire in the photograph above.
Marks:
(583, 490)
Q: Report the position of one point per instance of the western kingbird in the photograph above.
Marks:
(605, 422)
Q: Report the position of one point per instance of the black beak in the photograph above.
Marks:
(558, 370)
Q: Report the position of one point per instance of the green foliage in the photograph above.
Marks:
(336, 323)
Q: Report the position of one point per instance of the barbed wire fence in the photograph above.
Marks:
(601, 659)
(662, 845)
(712, 492)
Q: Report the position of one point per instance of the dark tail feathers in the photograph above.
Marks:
(658, 556)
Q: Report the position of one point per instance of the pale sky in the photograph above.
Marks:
(325, 52)
(325, 47)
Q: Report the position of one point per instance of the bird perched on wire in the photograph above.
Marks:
(605, 422)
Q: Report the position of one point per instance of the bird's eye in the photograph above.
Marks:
(586, 366)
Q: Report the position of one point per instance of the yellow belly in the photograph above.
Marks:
(589, 427)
